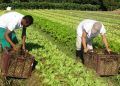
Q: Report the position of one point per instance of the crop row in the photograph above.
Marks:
(66, 34)
(54, 67)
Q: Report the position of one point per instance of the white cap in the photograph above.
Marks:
(8, 8)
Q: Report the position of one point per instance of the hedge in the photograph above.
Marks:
(48, 5)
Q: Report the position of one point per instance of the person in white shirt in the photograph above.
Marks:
(86, 31)
(10, 22)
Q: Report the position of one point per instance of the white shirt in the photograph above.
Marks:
(87, 25)
(11, 20)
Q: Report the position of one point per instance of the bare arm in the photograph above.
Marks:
(8, 38)
(106, 43)
(84, 40)
(23, 37)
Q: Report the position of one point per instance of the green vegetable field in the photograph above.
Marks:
(51, 39)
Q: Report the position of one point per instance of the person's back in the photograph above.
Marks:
(86, 23)
(10, 18)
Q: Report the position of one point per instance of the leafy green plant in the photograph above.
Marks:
(54, 67)
(61, 25)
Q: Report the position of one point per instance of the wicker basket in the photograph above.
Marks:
(104, 64)
(17, 64)
(119, 65)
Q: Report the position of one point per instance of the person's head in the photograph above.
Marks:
(27, 21)
(96, 27)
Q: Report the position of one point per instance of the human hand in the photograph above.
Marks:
(109, 50)
(24, 49)
(16, 47)
(85, 50)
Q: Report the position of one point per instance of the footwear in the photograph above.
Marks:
(0, 48)
(79, 55)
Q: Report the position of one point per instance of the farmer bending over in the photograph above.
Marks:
(10, 22)
(86, 31)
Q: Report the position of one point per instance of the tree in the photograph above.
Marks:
(1, 1)
(24, 0)
(15, 0)
(6, 1)
(108, 4)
